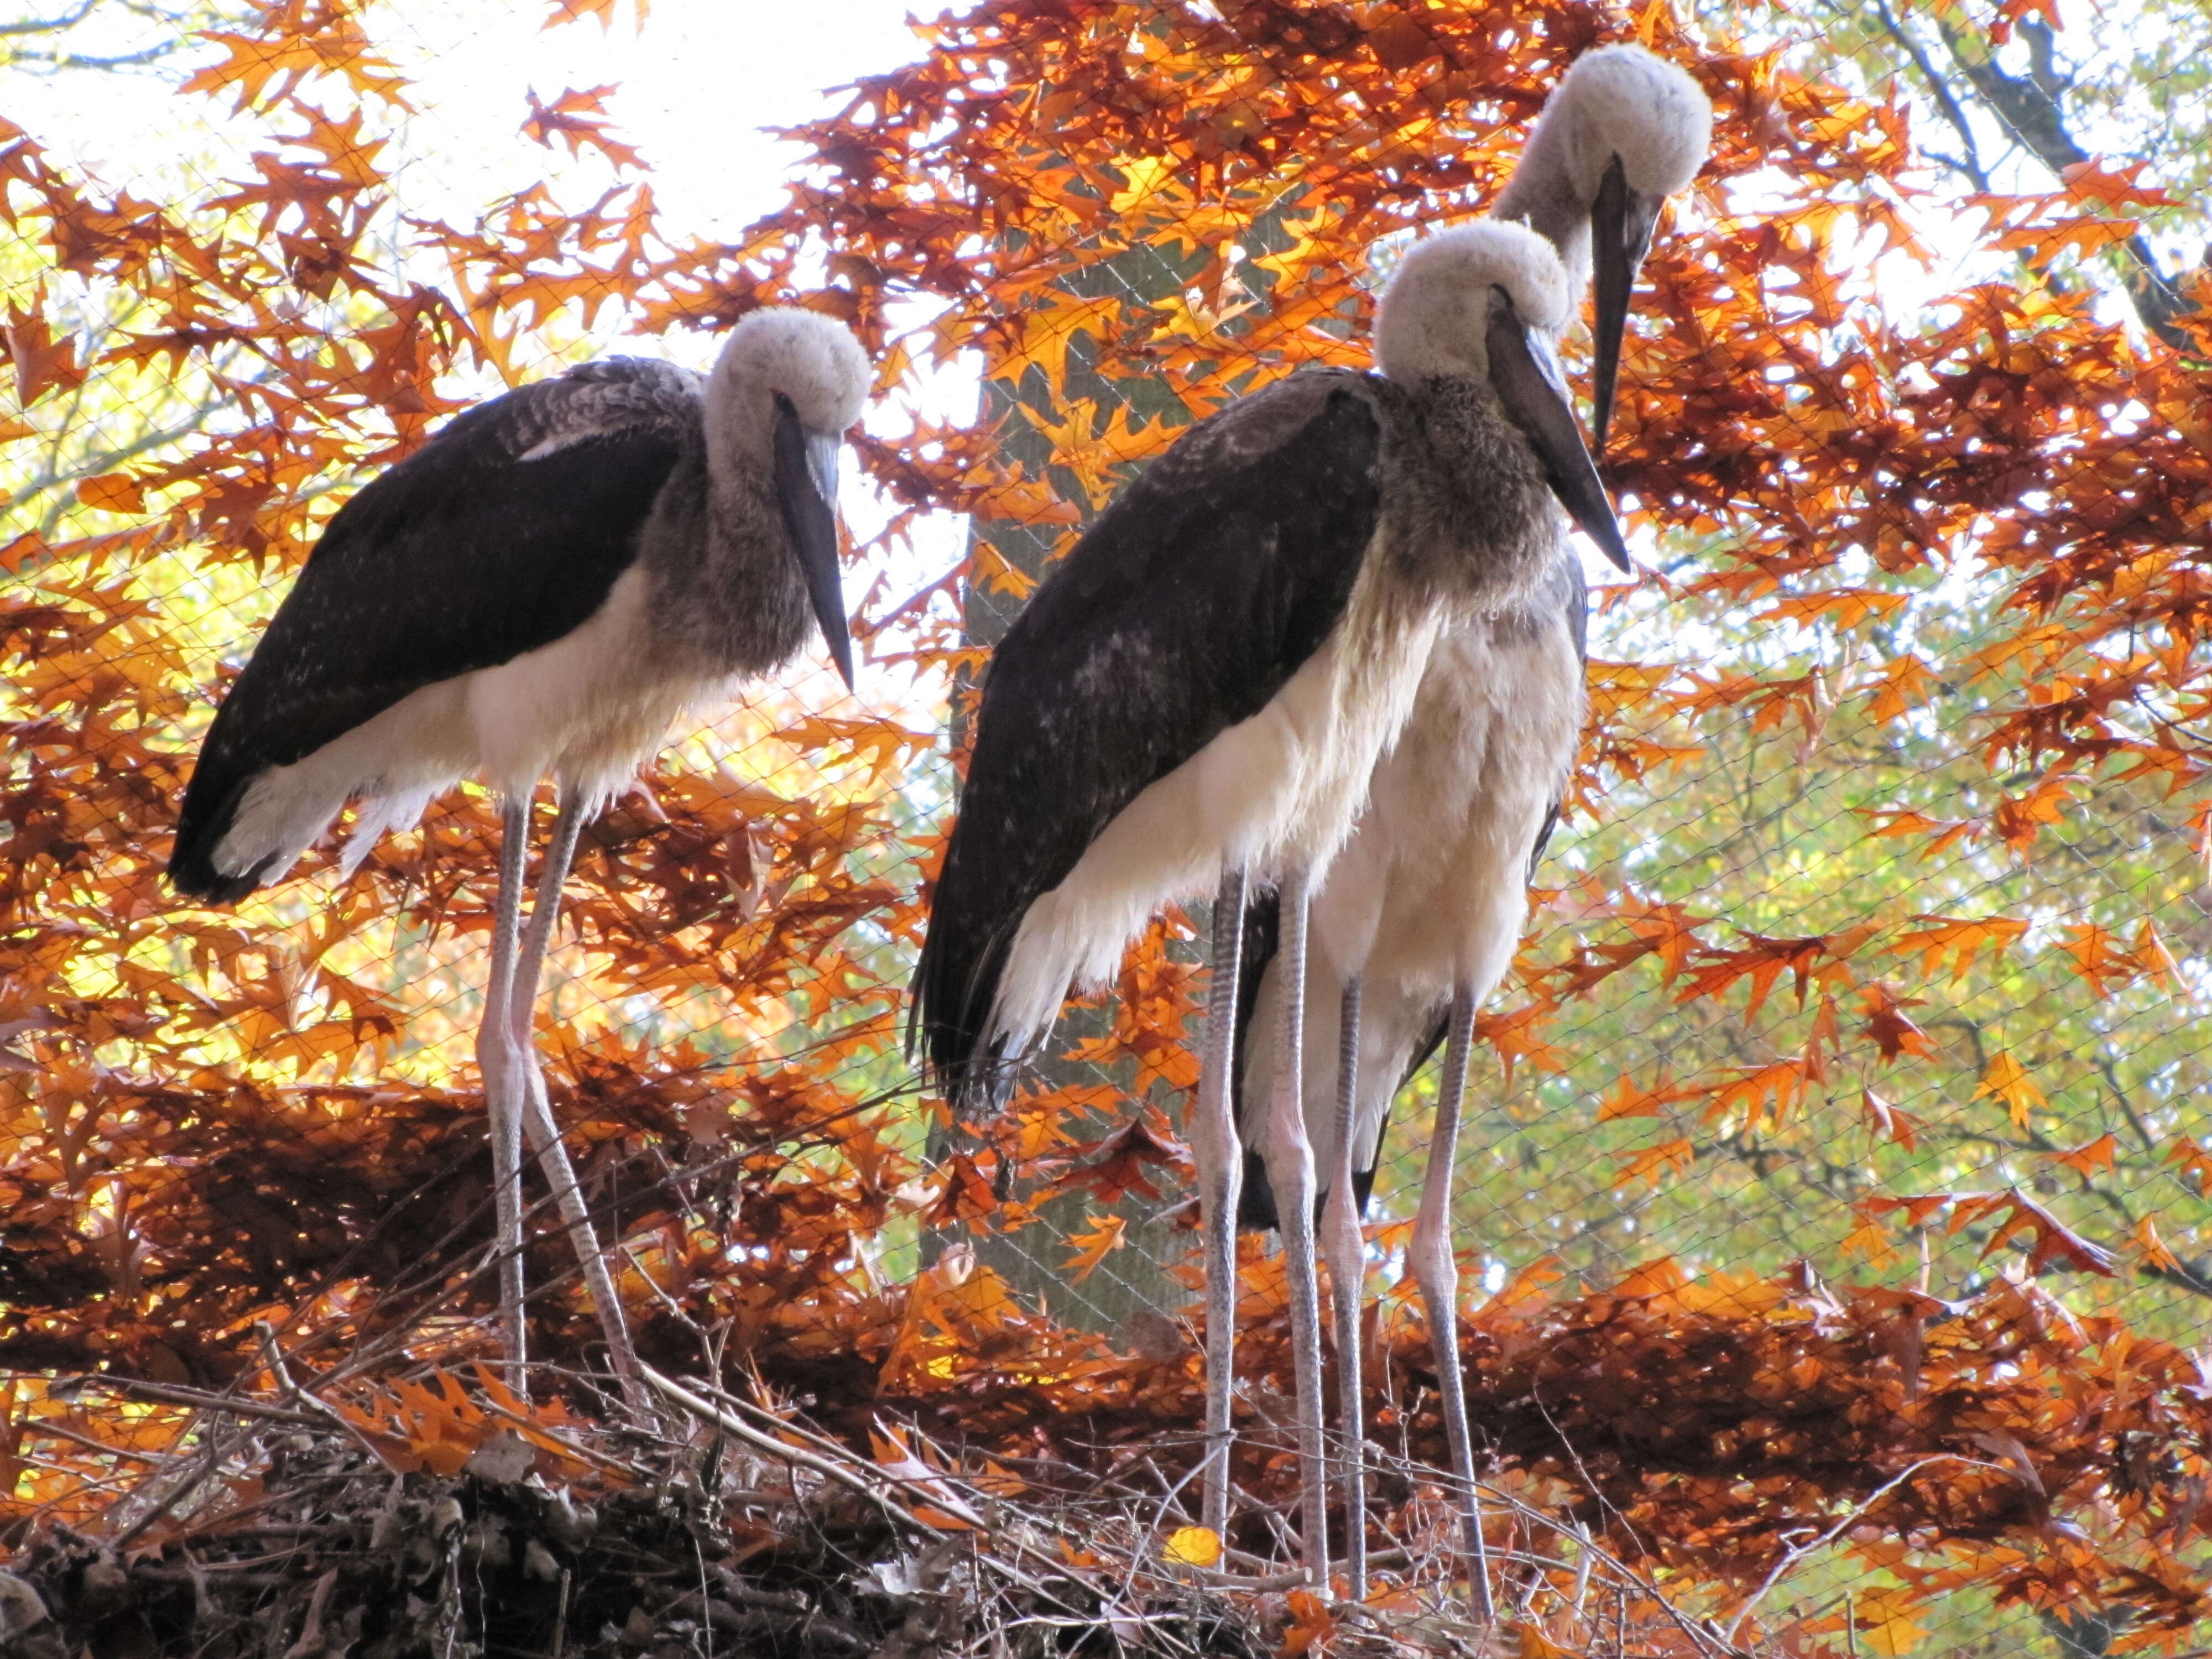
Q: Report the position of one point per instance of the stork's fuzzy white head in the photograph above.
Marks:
(811, 358)
(1623, 100)
(1434, 316)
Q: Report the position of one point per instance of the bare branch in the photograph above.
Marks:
(2029, 108)
(1970, 162)
(49, 25)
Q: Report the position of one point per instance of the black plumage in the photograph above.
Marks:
(457, 558)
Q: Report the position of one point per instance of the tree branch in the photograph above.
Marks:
(2029, 105)
(1969, 162)
(49, 25)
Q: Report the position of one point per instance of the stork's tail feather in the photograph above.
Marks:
(956, 983)
(1255, 1199)
(211, 803)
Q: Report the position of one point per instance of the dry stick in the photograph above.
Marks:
(273, 1357)
(211, 1460)
(708, 1413)
(821, 1441)
(169, 1394)
(369, 1355)
(311, 1627)
(1703, 1640)
(45, 1429)
(613, 1465)
(1793, 1556)
(202, 1399)
(830, 1469)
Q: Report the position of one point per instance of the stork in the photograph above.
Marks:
(1422, 911)
(543, 587)
(1201, 691)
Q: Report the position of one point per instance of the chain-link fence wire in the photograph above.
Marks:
(1608, 1142)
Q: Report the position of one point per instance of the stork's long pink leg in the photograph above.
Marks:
(1220, 1177)
(1347, 1273)
(1291, 1173)
(496, 1056)
(537, 1113)
(1438, 1273)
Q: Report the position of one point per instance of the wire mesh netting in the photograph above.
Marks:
(1870, 956)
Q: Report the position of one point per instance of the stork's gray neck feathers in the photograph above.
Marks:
(726, 596)
(1472, 520)
(1542, 196)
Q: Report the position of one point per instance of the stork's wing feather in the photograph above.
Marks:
(1182, 610)
(1565, 591)
(502, 534)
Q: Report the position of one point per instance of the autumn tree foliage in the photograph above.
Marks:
(1840, 1198)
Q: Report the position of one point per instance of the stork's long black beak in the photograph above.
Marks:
(1622, 221)
(1525, 372)
(805, 480)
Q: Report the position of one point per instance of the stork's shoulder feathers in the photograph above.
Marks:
(1207, 518)
(595, 399)
(1252, 428)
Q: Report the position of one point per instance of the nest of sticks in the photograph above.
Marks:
(703, 1524)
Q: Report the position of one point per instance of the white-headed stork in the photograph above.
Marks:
(1421, 912)
(1200, 691)
(544, 586)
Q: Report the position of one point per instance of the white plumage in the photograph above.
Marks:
(1431, 890)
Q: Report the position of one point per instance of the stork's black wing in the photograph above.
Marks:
(502, 534)
(1196, 595)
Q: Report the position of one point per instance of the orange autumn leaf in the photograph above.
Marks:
(2005, 1079)
(577, 119)
(1311, 1623)
(1105, 1235)
(1888, 1121)
(1654, 1162)
(2090, 1156)
(1628, 1099)
(1938, 937)
(43, 364)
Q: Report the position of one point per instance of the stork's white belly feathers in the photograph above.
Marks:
(1279, 788)
(1432, 889)
(589, 708)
